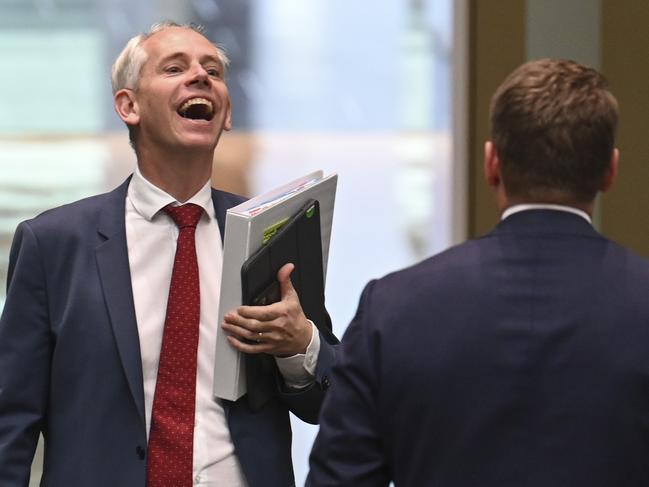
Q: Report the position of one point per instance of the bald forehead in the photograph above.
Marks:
(180, 42)
(181, 36)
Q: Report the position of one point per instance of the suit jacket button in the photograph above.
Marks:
(325, 382)
(140, 452)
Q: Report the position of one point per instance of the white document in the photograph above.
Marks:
(244, 232)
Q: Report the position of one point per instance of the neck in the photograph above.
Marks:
(181, 175)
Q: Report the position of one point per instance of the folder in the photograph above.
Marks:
(247, 226)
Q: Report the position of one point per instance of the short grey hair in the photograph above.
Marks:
(128, 65)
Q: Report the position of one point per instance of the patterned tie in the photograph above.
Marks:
(171, 437)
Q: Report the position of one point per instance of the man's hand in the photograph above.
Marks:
(277, 329)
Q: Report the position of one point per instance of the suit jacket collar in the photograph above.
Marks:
(111, 219)
(545, 206)
(220, 208)
(545, 222)
(112, 222)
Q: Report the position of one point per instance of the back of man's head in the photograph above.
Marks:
(553, 126)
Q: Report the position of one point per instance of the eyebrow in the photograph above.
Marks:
(205, 58)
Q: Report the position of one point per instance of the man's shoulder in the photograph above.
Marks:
(88, 205)
(440, 269)
(626, 260)
(460, 265)
(77, 214)
(454, 257)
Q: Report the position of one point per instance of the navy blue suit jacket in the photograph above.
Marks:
(520, 359)
(70, 361)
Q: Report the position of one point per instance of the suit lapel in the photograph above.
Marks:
(114, 273)
(220, 209)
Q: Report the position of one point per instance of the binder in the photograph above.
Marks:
(246, 227)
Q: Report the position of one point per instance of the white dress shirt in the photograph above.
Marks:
(545, 206)
(151, 237)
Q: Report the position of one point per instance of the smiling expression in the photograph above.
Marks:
(181, 100)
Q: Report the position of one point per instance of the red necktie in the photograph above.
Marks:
(171, 436)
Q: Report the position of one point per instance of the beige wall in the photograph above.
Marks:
(499, 32)
(496, 47)
(625, 62)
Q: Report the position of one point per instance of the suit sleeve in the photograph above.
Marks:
(25, 352)
(348, 451)
(305, 403)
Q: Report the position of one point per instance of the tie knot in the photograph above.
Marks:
(184, 215)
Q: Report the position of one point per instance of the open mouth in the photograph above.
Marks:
(197, 109)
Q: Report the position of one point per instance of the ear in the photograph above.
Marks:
(126, 106)
(227, 125)
(491, 165)
(611, 173)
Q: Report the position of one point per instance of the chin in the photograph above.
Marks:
(199, 142)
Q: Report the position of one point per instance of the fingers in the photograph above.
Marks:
(246, 341)
(262, 313)
(284, 278)
(289, 304)
(285, 272)
(250, 330)
(273, 311)
(282, 336)
(242, 332)
(249, 347)
(248, 338)
(285, 329)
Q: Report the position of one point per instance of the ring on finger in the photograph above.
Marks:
(260, 335)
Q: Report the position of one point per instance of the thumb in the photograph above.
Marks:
(284, 278)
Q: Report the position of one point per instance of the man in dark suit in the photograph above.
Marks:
(517, 359)
(107, 335)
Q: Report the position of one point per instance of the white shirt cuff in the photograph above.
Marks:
(299, 370)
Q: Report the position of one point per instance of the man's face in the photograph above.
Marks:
(181, 99)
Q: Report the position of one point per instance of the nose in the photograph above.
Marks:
(198, 75)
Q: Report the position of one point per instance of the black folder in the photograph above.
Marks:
(298, 241)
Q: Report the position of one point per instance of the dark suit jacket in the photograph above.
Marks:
(70, 360)
(518, 359)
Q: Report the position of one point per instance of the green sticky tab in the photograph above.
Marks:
(272, 230)
(310, 212)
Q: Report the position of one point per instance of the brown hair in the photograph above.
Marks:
(553, 126)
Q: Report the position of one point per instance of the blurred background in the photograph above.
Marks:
(392, 95)
(358, 88)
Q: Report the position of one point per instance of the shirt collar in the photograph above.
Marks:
(148, 199)
(545, 206)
